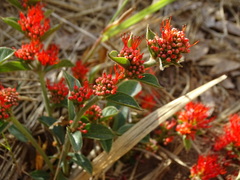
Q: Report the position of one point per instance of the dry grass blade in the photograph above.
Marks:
(128, 140)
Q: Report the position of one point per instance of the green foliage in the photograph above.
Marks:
(130, 87)
(71, 81)
(40, 175)
(187, 143)
(14, 131)
(122, 61)
(124, 128)
(123, 99)
(16, 3)
(108, 112)
(99, 132)
(121, 118)
(106, 144)
(75, 139)
(14, 66)
(150, 80)
(50, 32)
(3, 125)
(61, 64)
(12, 21)
(5, 53)
(82, 161)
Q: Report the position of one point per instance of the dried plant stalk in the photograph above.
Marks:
(129, 139)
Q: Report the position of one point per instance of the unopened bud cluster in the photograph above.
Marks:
(81, 126)
(34, 23)
(81, 94)
(134, 56)
(58, 91)
(8, 98)
(94, 113)
(105, 85)
(170, 46)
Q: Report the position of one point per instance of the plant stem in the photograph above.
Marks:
(66, 145)
(44, 92)
(24, 131)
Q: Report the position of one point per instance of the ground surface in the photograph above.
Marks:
(216, 24)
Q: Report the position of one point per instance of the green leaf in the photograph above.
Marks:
(82, 161)
(14, 66)
(76, 140)
(99, 132)
(150, 34)
(122, 61)
(50, 32)
(121, 118)
(3, 125)
(71, 81)
(150, 80)
(5, 53)
(40, 175)
(71, 110)
(14, 131)
(124, 128)
(123, 99)
(187, 143)
(109, 111)
(62, 63)
(57, 130)
(134, 19)
(130, 87)
(106, 144)
(16, 3)
(11, 21)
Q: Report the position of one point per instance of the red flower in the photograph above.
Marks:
(207, 167)
(28, 51)
(231, 134)
(80, 70)
(58, 91)
(49, 56)
(82, 94)
(192, 119)
(170, 46)
(82, 127)
(8, 98)
(94, 113)
(34, 23)
(133, 54)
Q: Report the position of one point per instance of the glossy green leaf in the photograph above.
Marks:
(16, 3)
(50, 32)
(76, 140)
(122, 61)
(109, 111)
(3, 125)
(14, 131)
(106, 144)
(40, 175)
(11, 21)
(118, 28)
(71, 81)
(99, 132)
(5, 53)
(62, 63)
(82, 161)
(14, 66)
(150, 35)
(124, 128)
(57, 130)
(150, 80)
(130, 87)
(121, 118)
(123, 99)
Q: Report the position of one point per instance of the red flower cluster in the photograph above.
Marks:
(170, 45)
(133, 54)
(94, 113)
(28, 51)
(147, 100)
(105, 85)
(81, 94)
(192, 119)
(49, 56)
(58, 91)
(231, 134)
(8, 98)
(34, 23)
(82, 127)
(206, 168)
(80, 70)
